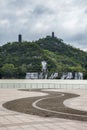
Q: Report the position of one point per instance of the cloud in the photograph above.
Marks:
(35, 19)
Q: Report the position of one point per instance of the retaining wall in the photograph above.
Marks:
(36, 84)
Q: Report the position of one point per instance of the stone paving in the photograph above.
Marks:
(10, 120)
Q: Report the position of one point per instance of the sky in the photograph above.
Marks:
(36, 19)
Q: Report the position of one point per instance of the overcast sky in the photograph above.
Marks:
(37, 18)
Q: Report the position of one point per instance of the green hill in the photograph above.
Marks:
(18, 58)
(58, 47)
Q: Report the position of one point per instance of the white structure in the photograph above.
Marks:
(78, 75)
(69, 75)
(32, 75)
(53, 76)
(63, 76)
(44, 65)
(44, 69)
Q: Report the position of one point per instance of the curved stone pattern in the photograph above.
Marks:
(49, 110)
(79, 103)
(10, 120)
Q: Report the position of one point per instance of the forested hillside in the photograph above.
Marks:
(18, 58)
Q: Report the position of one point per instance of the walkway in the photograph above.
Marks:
(10, 120)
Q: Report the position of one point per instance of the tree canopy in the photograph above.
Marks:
(18, 58)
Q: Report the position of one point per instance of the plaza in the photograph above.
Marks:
(12, 120)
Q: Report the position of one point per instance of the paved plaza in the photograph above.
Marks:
(10, 120)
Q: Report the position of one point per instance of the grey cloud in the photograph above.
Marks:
(80, 2)
(85, 11)
(79, 40)
(17, 3)
(35, 19)
(40, 10)
(80, 37)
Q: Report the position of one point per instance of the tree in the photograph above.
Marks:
(22, 71)
(8, 70)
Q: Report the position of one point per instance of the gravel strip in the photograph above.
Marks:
(53, 102)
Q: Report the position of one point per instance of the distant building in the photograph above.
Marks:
(70, 75)
(19, 38)
(52, 34)
(33, 75)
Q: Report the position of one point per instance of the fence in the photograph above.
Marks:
(39, 84)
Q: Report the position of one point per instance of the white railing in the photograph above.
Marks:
(37, 84)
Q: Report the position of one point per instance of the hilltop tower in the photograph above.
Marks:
(52, 34)
(19, 38)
